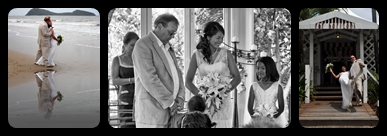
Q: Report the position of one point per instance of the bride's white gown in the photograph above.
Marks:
(266, 102)
(346, 90)
(224, 117)
(50, 53)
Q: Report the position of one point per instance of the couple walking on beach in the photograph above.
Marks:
(47, 43)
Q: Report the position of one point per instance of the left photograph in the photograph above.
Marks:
(53, 68)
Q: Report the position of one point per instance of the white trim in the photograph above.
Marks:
(359, 23)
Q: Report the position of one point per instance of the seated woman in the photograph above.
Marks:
(194, 118)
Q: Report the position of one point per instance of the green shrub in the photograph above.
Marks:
(373, 88)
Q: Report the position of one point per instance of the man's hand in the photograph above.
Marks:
(173, 109)
(361, 63)
(180, 103)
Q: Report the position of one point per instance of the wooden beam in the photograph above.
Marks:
(341, 37)
(348, 33)
(326, 33)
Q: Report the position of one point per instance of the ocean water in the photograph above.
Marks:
(76, 30)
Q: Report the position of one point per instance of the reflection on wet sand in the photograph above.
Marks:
(54, 99)
(47, 92)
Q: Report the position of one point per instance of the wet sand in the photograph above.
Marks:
(77, 77)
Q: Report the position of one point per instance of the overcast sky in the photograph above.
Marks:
(23, 11)
(365, 13)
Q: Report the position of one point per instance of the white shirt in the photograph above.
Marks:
(171, 63)
(351, 70)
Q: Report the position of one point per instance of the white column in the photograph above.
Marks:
(244, 29)
(146, 21)
(227, 25)
(189, 40)
(365, 85)
(361, 39)
(311, 55)
(318, 63)
(234, 22)
(307, 83)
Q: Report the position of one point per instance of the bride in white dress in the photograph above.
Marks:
(50, 52)
(209, 57)
(345, 85)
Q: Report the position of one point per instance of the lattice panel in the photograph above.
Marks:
(369, 54)
(305, 46)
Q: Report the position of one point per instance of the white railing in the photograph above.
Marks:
(365, 85)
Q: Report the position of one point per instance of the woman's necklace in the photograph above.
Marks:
(211, 57)
(215, 52)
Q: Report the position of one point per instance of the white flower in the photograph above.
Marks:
(329, 65)
(212, 87)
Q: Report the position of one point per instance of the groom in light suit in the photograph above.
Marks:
(159, 90)
(357, 76)
(44, 37)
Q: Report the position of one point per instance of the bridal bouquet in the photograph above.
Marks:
(329, 65)
(60, 37)
(212, 88)
(265, 110)
(261, 122)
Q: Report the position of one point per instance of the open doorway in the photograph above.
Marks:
(338, 54)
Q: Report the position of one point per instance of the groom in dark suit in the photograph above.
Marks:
(357, 76)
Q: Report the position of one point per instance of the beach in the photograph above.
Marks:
(77, 77)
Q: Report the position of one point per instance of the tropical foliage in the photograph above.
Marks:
(272, 34)
(122, 21)
(302, 89)
(373, 88)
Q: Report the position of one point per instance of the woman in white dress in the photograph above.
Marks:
(209, 57)
(345, 85)
(51, 50)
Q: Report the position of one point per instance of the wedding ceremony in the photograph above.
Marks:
(53, 68)
(339, 68)
(199, 67)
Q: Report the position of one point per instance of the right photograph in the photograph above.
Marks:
(338, 67)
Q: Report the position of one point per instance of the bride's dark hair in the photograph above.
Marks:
(210, 29)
